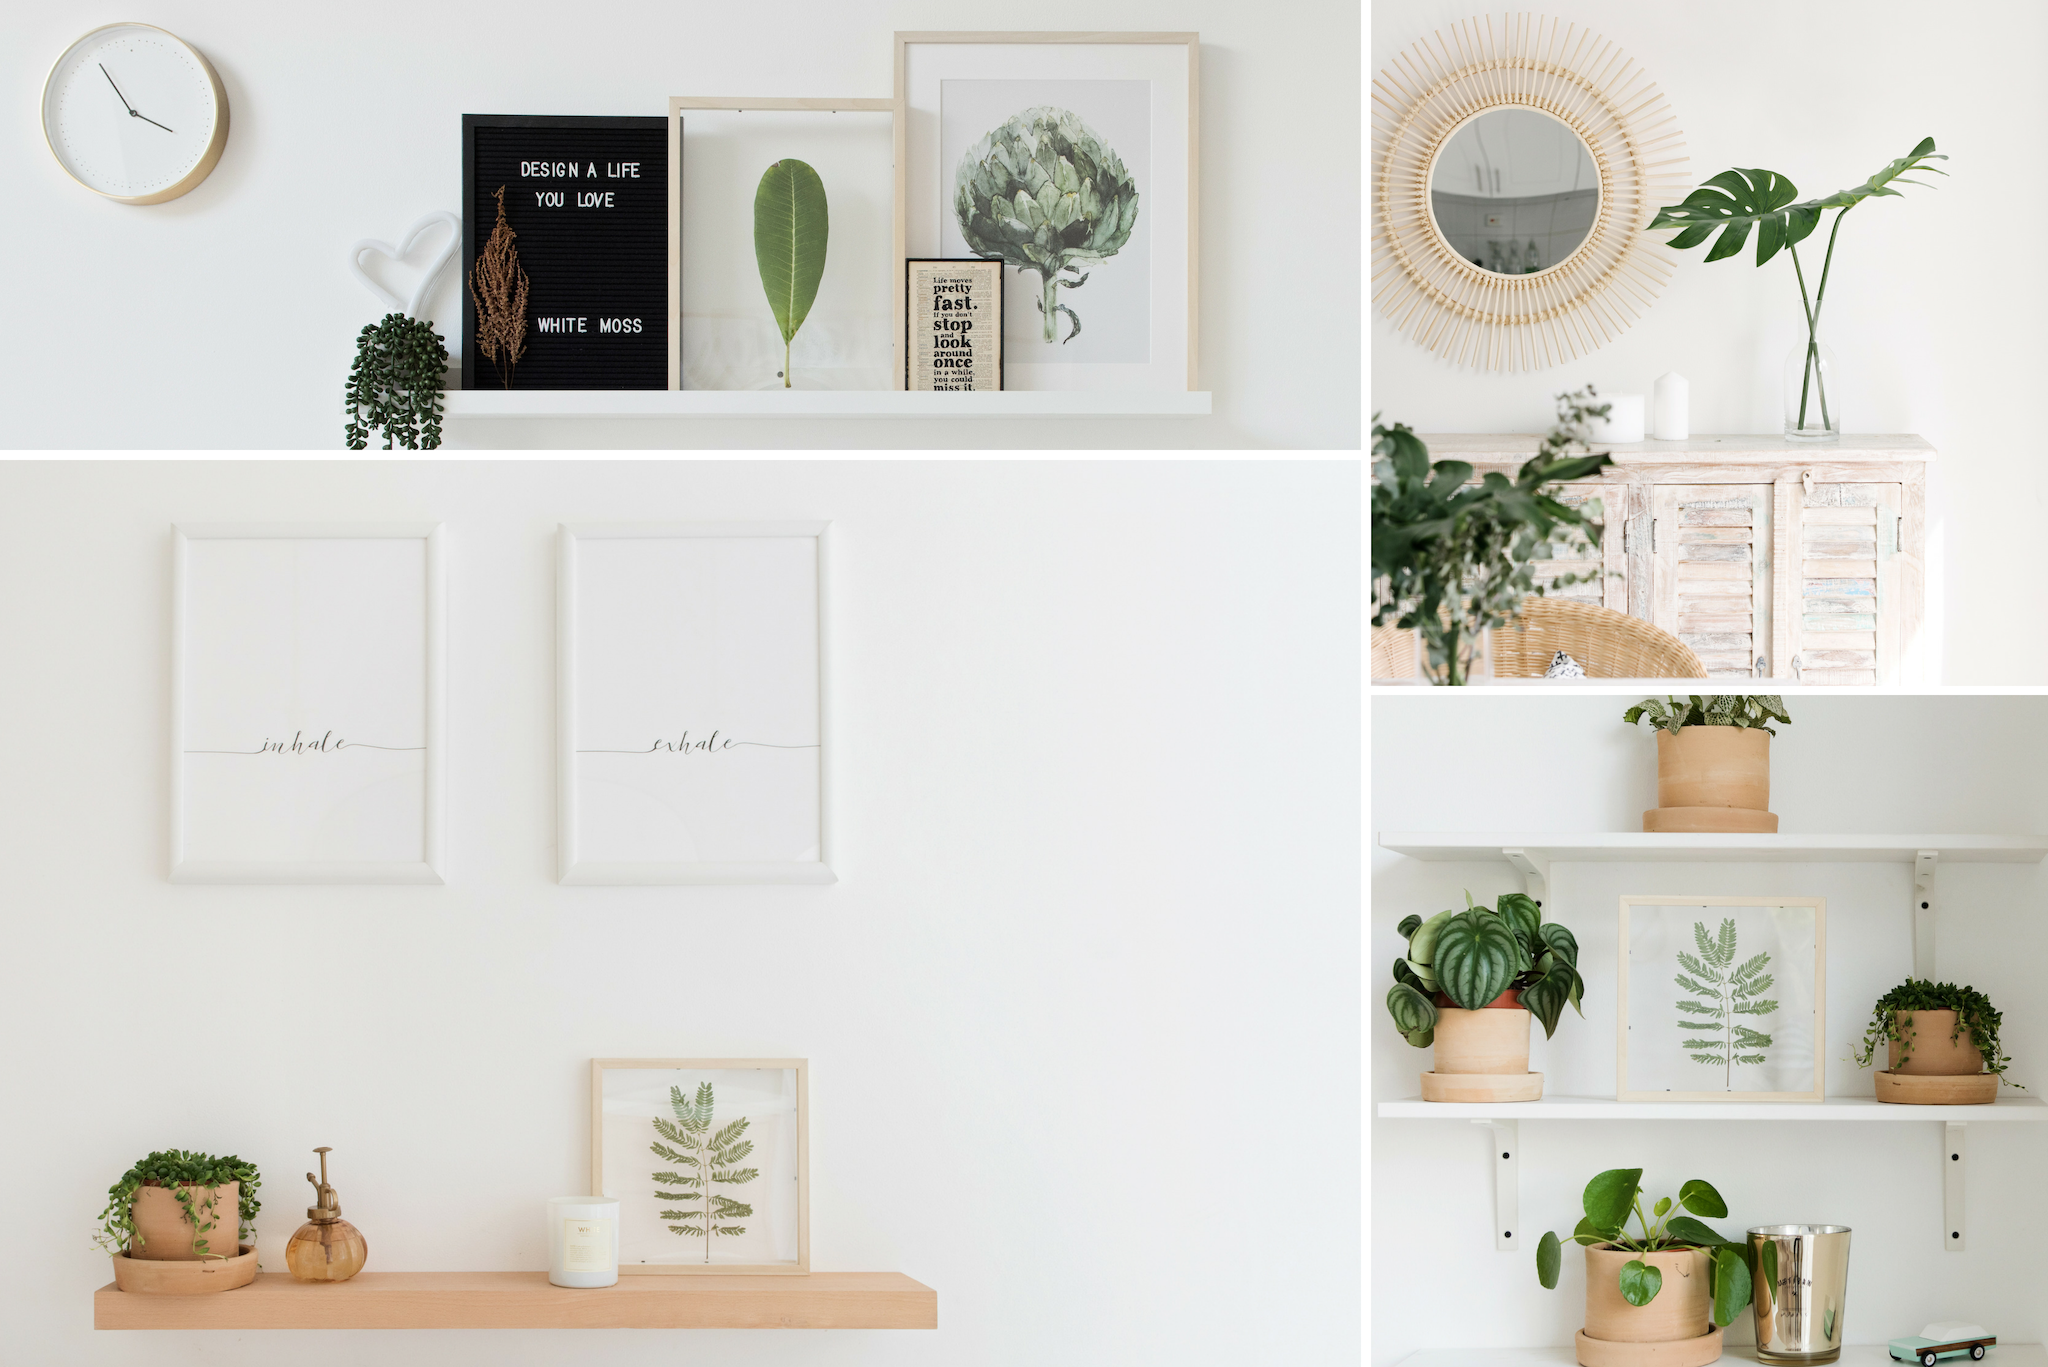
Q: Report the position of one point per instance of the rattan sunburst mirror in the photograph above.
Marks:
(1516, 163)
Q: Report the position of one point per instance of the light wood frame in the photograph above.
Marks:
(574, 870)
(1193, 43)
(1472, 316)
(1622, 1091)
(802, 1068)
(679, 104)
(428, 869)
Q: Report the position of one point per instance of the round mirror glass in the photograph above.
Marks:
(1514, 191)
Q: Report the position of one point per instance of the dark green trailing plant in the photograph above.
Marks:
(1754, 711)
(182, 1172)
(1451, 558)
(395, 384)
(791, 228)
(1616, 1194)
(1474, 955)
(1725, 991)
(711, 1158)
(1973, 1009)
(1737, 200)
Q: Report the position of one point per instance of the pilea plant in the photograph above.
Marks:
(1474, 955)
(1973, 1009)
(182, 1172)
(1616, 1194)
(394, 387)
(1755, 711)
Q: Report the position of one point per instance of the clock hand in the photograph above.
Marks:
(146, 119)
(133, 112)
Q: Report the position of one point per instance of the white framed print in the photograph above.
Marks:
(1071, 158)
(691, 685)
(306, 703)
(1722, 999)
(709, 1160)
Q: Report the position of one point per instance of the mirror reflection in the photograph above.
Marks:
(1514, 191)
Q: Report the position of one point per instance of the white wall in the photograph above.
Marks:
(1097, 797)
(1936, 333)
(228, 318)
(1847, 765)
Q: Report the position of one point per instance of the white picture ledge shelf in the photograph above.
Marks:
(2015, 1107)
(1853, 1355)
(818, 403)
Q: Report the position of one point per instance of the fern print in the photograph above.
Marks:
(710, 1158)
(1724, 991)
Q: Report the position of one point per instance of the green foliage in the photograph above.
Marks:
(1729, 992)
(1044, 193)
(1611, 1197)
(1453, 559)
(1640, 1282)
(1474, 955)
(184, 1173)
(692, 1143)
(395, 385)
(1974, 1012)
(1477, 957)
(791, 228)
(1753, 711)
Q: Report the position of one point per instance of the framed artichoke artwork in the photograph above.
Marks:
(1070, 159)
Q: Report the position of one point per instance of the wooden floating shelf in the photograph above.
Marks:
(525, 1300)
(1854, 1355)
(2014, 1108)
(820, 403)
(1663, 848)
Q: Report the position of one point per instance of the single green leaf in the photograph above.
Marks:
(1423, 974)
(1640, 1282)
(1422, 944)
(1732, 1288)
(1477, 958)
(1521, 913)
(1422, 1039)
(1549, 1259)
(1410, 1009)
(1701, 1199)
(1663, 1205)
(1588, 1233)
(1409, 925)
(1688, 1230)
(1611, 1196)
(1546, 997)
(791, 225)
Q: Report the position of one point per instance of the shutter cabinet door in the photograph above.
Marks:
(1847, 627)
(1608, 586)
(1710, 572)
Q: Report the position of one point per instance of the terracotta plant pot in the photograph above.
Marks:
(169, 1278)
(1493, 1039)
(1713, 778)
(1934, 1054)
(1681, 1312)
(163, 1234)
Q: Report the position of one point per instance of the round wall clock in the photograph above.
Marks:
(135, 113)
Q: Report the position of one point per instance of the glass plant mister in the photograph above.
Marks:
(326, 1248)
(1813, 394)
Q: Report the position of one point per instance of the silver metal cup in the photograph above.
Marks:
(1799, 1287)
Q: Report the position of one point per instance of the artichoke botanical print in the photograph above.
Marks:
(1045, 194)
(710, 1158)
(1726, 992)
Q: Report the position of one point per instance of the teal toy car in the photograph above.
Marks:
(1943, 1342)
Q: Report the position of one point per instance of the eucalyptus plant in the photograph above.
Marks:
(792, 225)
(1616, 1194)
(182, 1172)
(1974, 1012)
(1737, 200)
(1474, 955)
(1752, 711)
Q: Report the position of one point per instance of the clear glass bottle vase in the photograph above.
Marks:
(1813, 396)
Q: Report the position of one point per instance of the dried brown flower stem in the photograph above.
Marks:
(498, 285)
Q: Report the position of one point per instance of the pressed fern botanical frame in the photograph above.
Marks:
(1792, 982)
(1472, 316)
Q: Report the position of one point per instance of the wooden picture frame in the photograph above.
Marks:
(1804, 1024)
(988, 291)
(785, 1154)
(1179, 254)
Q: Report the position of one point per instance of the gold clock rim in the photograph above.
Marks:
(208, 159)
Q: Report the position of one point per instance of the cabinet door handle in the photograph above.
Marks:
(1653, 536)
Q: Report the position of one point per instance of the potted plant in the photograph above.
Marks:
(1662, 1294)
(182, 1223)
(1713, 760)
(1468, 985)
(1943, 1045)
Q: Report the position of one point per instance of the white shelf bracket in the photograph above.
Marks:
(1507, 1163)
(1952, 1187)
(1535, 871)
(1923, 913)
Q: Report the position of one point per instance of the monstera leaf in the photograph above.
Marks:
(1735, 201)
(1477, 957)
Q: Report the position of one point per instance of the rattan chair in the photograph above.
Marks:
(1607, 644)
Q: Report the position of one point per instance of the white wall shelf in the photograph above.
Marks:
(819, 403)
(2006, 1108)
(1854, 1355)
(1663, 848)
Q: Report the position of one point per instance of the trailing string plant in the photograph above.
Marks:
(497, 285)
(1974, 1012)
(710, 1157)
(1451, 558)
(394, 387)
(1616, 1194)
(1737, 200)
(1725, 992)
(1472, 956)
(1753, 711)
(183, 1173)
(792, 226)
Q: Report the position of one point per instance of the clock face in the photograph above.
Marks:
(135, 114)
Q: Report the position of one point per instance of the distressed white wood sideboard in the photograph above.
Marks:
(1769, 558)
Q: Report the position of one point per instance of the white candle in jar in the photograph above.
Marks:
(1674, 403)
(1624, 420)
(583, 1241)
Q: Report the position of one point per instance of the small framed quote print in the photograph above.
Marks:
(306, 703)
(690, 682)
(1722, 999)
(709, 1160)
(956, 325)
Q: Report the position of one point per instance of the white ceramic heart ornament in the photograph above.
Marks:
(400, 252)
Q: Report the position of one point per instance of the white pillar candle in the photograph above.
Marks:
(1624, 420)
(1674, 402)
(583, 1241)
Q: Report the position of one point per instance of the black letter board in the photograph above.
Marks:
(588, 198)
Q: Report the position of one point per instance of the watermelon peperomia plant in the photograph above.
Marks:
(1474, 955)
(1616, 1194)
